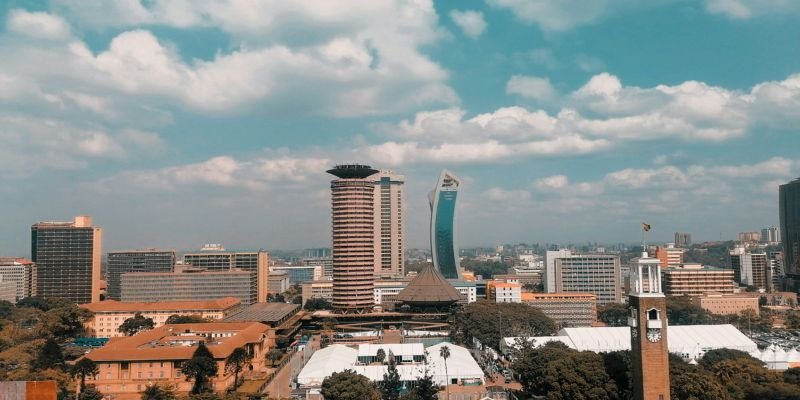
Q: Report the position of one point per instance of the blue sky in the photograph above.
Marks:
(181, 123)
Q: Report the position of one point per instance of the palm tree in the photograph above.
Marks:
(235, 362)
(84, 367)
(381, 355)
(444, 352)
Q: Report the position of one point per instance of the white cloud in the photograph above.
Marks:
(471, 22)
(37, 25)
(551, 182)
(531, 87)
(745, 9)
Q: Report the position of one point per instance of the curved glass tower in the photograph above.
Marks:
(443, 225)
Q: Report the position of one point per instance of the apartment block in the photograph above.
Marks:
(21, 273)
(694, 280)
(598, 274)
(503, 292)
(751, 269)
(670, 256)
(566, 309)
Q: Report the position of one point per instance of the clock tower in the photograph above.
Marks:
(648, 323)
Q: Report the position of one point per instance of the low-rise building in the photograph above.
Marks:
(695, 280)
(299, 274)
(385, 291)
(317, 289)
(278, 282)
(503, 292)
(717, 303)
(126, 366)
(110, 314)
(566, 309)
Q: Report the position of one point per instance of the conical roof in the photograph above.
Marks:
(429, 287)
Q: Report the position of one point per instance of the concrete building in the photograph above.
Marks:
(683, 239)
(318, 252)
(389, 224)
(188, 283)
(110, 314)
(278, 282)
(749, 237)
(550, 268)
(717, 303)
(566, 309)
(318, 289)
(789, 206)
(670, 256)
(214, 257)
(128, 365)
(444, 243)
(325, 262)
(353, 231)
(8, 291)
(68, 259)
(598, 274)
(20, 272)
(145, 260)
(503, 292)
(770, 235)
(694, 280)
(29, 390)
(751, 269)
(299, 274)
(385, 291)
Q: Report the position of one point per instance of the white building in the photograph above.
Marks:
(22, 274)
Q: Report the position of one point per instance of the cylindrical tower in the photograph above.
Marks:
(353, 224)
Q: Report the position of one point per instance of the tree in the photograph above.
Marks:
(489, 322)
(444, 352)
(317, 303)
(274, 356)
(425, 389)
(185, 319)
(201, 367)
(6, 308)
(90, 393)
(65, 320)
(83, 368)
(380, 356)
(236, 362)
(157, 392)
(136, 324)
(713, 357)
(613, 314)
(348, 385)
(792, 376)
(681, 311)
(618, 367)
(278, 298)
(50, 356)
(391, 385)
(688, 382)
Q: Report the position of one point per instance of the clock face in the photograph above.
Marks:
(654, 335)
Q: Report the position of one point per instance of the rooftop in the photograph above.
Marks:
(532, 296)
(429, 286)
(352, 171)
(177, 306)
(265, 312)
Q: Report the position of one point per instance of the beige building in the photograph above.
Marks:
(566, 309)
(278, 282)
(214, 258)
(20, 272)
(598, 274)
(389, 226)
(317, 289)
(110, 314)
(694, 280)
(503, 292)
(128, 365)
(670, 256)
(717, 303)
(67, 257)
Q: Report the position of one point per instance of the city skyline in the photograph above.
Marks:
(179, 127)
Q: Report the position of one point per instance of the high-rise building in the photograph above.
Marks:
(670, 256)
(550, 268)
(749, 237)
(443, 225)
(67, 257)
(683, 239)
(789, 204)
(751, 269)
(20, 272)
(648, 323)
(770, 235)
(145, 260)
(188, 283)
(389, 225)
(214, 257)
(694, 280)
(598, 274)
(353, 234)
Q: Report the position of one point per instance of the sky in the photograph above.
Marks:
(177, 123)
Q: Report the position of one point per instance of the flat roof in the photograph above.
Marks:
(265, 312)
(176, 306)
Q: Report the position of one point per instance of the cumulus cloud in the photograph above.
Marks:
(532, 87)
(744, 9)
(471, 22)
(39, 25)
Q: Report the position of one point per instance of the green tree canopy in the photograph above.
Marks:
(391, 385)
(489, 322)
(317, 303)
(201, 367)
(90, 393)
(613, 314)
(348, 385)
(158, 392)
(712, 357)
(688, 382)
(136, 324)
(185, 319)
(83, 368)
(50, 356)
(235, 362)
(681, 311)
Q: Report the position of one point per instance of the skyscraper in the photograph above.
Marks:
(353, 234)
(598, 274)
(789, 204)
(389, 228)
(751, 269)
(443, 225)
(67, 257)
(145, 260)
(683, 239)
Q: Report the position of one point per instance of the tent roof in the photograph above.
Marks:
(429, 286)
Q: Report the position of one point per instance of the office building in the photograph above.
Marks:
(389, 224)
(598, 274)
(749, 237)
(278, 282)
(145, 260)
(110, 314)
(319, 252)
(503, 292)
(325, 262)
(719, 304)
(318, 290)
(683, 239)
(126, 366)
(565, 309)
(770, 235)
(214, 257)
(299, 274)
(789, 205)
(8, 291)
(670, 256)
(444, 243)
(751, 269)
(20, 272)
(695, 280)
(188, 283)
(353, 230)
(67, 257)
(549, 280)
(776, 266)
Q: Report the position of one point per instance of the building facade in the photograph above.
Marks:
(770, 235)
(20, 272)
(751, 269)
(719, 304)
(325, 262)
(565, 309)
(598, 274)
(189, 284)
(683, 239)
(789, 206)
(110, 314)
(503, 292)
(278, 282)
(145, 260)
(389, 224)
(444, 245)
(216, 258)
(299, 274)
(694, 280)
(749, 237)
(68, 259)
(670, 256)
